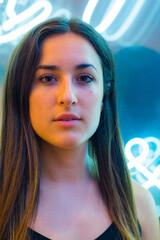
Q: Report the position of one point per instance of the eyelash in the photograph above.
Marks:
(42, 77)
(86, 76)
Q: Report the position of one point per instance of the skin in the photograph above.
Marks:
(70, 205)
(147, 214)
(68, 91)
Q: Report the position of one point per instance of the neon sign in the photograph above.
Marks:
(11, 31)
(15, 19)
(112, 13)
(145, 160)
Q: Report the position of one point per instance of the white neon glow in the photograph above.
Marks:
(128, 150)
(112, 14)
(157, 172)
(157, 151)
(10, 8)
(15, 19)
(155, 175)
(47, 9)
(153, 178)
(1, 1)
(132, 15)
(89, 10)
(21, 30)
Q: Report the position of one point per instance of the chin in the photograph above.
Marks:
(68, 144)
(66, 141)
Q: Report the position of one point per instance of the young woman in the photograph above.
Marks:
(59, 112)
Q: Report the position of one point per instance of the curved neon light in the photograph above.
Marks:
(157, 151)
(154, 177)
(114, 10)
(15, 19)
(132, 15)
(89, 10)
(144, 160)
(10, 8)
(128, 150)
(112, 14)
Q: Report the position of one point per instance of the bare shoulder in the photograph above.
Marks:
(146, 211)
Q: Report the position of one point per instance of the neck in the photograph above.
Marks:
(64, 166)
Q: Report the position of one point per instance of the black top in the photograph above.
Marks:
(110, 234)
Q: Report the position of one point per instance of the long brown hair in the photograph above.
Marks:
(20, 166)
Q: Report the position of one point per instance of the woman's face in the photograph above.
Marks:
(66, 97)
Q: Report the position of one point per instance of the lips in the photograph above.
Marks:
(67, 120)
(67, 117)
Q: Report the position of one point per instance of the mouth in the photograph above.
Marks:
(67, 117)
(71, 119)
(67, 120)
(67, 123)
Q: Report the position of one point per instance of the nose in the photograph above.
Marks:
(66, 93)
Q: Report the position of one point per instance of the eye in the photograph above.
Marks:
(85, 78)
(47, 78)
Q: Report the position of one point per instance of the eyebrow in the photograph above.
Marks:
(77, 67)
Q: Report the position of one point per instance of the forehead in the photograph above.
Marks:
(70, 48)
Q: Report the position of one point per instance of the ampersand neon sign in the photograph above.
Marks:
(146, 159)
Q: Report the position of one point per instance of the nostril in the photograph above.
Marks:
(74, 102)
(68, 102)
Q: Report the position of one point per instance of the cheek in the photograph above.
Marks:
(37, 107)
(93, 103)
(93, 111)
(39, 100)
(38, 112)
(34, 104)
(95, 97)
